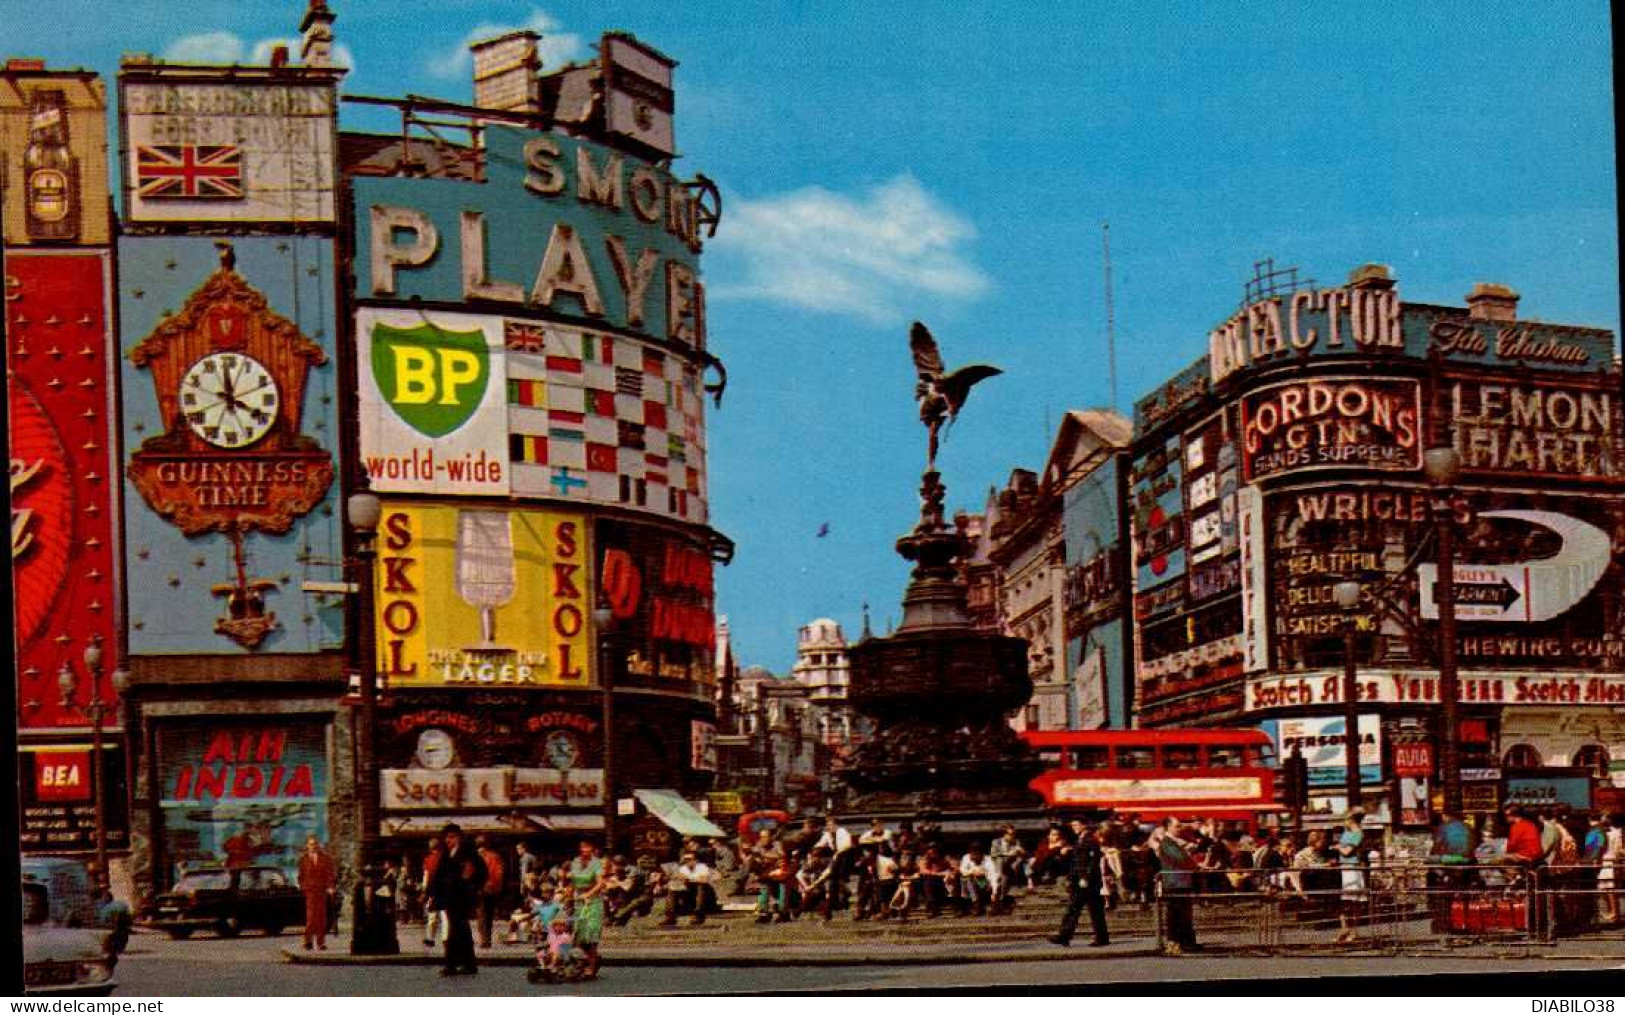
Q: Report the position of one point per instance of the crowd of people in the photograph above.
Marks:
(462, 894)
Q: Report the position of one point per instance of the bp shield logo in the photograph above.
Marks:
(434, 379)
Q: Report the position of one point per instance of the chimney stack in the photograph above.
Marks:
(317, 31)
(505, 72)
(1490, 301)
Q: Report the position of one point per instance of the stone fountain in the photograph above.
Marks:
(940, 692)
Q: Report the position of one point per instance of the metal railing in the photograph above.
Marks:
(1398, 908)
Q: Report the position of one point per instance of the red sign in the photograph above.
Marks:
(62, 775)
(62, 475)
(1413, 760)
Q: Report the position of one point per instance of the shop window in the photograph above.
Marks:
(1593, 757)
(1521, 756)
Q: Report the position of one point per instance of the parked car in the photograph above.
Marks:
(229, 902)
(65, 948)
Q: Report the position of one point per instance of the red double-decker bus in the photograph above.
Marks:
(1201, 773)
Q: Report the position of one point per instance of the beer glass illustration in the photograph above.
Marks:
(485, 569)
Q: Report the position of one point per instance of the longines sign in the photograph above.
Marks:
(1421, 687)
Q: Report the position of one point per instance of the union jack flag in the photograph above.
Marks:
(189, 172)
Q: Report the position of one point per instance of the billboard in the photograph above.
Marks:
(602, 419)
(53, 143)
(1157, 505)
(1323, 743)
(433, 393)
(559, 225)
(64, 516)
(1332, 423)
(231, 428)
(483, 597)
(239, 792)
(1568, 428)
(58, 797)
(660, 589)
(1210, 482)
(246, 145)
(1536, 577)
(1407, 685)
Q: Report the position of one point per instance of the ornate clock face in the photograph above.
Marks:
(435, 749)
(229, 399)
(560, 748)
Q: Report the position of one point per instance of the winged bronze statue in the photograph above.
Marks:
(941, 394)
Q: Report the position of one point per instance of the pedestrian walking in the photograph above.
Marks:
(455, 890)
(1085, 888)
(434, 921)
(587, 878)
(1351, 860)
(1178, 883)
(317, 877)
(490, 890)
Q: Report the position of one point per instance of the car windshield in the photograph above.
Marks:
(203, 880)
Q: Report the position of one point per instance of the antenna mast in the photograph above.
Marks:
(1111, 330)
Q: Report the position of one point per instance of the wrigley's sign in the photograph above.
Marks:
(1421, 687)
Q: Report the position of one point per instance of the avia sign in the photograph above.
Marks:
(433, 402)
(1530, 591)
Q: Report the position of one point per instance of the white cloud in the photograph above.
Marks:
(556, 48)
(864, 255)
(220, 48)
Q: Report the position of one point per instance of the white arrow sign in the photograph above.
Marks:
(1527, 591)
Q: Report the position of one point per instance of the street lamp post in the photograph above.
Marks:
(1347, 595)
(374, 919)
(1443, 466)
(98, 773)
(602, 618)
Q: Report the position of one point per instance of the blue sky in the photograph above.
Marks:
(953, 162)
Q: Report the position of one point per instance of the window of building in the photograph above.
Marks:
(1521, 756)
(1593, 757)
(1032, 717)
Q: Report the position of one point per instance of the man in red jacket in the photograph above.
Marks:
(1523, 839)
(491, 890)
(316, 879)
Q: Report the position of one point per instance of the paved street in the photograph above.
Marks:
(155, 965)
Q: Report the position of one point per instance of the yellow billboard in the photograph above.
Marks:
(482, 597)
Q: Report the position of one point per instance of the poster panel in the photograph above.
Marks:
(230, 430)
(1522, 426)
(240, 792)
(53, 143)
(603, 419)
(64, 515)
(483, 597)
(433, 402)
(56, 783)
(661, 591)
(228, 149)
(559, 225)
(1323, 743)
(1332, 423)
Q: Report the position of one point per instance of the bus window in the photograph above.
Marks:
(1092, 756)
(1224, 756)
(1136, 757)
(1264, 754)
(1050, 756)
(1181, 756)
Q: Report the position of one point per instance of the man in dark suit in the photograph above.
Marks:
(1084, 882)
(455, 890)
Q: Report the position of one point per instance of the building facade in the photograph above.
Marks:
(1291, 457)
(285, 314)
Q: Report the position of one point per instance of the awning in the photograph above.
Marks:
(677, 814)
(1249, 812)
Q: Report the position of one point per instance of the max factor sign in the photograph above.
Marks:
(1363, 317)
